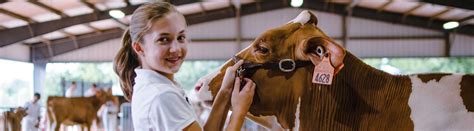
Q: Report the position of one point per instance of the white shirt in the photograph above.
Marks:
(159, 104)
(32, 110)
(90, 92)
(70, 92)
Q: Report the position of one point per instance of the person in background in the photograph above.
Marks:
(109, 113)
(91, 91)
(71, 91)
(31, 121)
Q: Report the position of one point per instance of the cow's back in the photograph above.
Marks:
(442, 101)
(72, 110)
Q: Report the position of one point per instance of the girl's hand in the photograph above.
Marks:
(242, 99)
(229, 77)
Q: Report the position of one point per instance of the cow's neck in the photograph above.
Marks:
(370, 83)
(359, 74)
(359, 94)
(97, 103)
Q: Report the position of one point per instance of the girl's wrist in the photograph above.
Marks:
(239, 112)
(237, 115)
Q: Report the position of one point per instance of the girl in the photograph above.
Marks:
(153, 50)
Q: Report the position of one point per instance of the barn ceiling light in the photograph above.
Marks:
(116, 14)
(296, 3)
(450, 25)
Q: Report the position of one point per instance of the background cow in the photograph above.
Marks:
(11, 120)
(76, 110)
(359, 97)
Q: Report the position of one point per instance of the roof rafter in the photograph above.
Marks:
(17, 16)
(446, 10)
(92, 6)
(58, 12)
(64, 45)
(391, 17)
(49, 8)
(463, 4)
(411, 10)
(37, 29)
(31, 21)
(381, 8)
(257, 7)
(466, 18)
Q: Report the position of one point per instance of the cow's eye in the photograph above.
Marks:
(320, 51)
(262, 50)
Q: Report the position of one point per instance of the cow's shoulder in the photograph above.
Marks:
(463, 82)
(467, 91)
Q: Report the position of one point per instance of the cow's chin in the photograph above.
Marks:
(204, 95)
(208, 103)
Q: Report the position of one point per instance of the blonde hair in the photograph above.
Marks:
(126, 59)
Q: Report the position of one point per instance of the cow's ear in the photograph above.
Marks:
(305, 17)
(312, 19)
(109, 90)
(316, 48)
(99, 92)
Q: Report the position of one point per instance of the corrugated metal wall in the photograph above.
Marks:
(366, 27)
(463, 45)
(102, 52)
(396, 48)
(16, 51)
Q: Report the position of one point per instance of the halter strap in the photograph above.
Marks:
(249, 68)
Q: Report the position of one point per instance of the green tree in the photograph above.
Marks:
(86, 72)
(191, 71)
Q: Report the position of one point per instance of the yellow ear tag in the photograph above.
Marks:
(323, 72)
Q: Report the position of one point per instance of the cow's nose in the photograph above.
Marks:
(198, 86)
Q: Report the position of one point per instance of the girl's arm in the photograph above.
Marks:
(229, 93)
(241, 101)
(221, 104)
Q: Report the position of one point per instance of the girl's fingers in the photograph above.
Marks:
(230, 71)
(237, 65)
(236, 86)
(237, 82)
(248, 85)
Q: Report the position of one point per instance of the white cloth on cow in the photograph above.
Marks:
(33, 113)
(159, 104)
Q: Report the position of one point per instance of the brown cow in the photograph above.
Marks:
(76, 110)
(282, 60)
(12, 119)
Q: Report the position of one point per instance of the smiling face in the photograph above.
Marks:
(164, 47)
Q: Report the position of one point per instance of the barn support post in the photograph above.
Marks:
(39, 75)
(345, 37)
(63, 86)
(238, 19)
(447, 43)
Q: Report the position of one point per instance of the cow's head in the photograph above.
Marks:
(299, 40)
(20, 112)
(105, 95)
